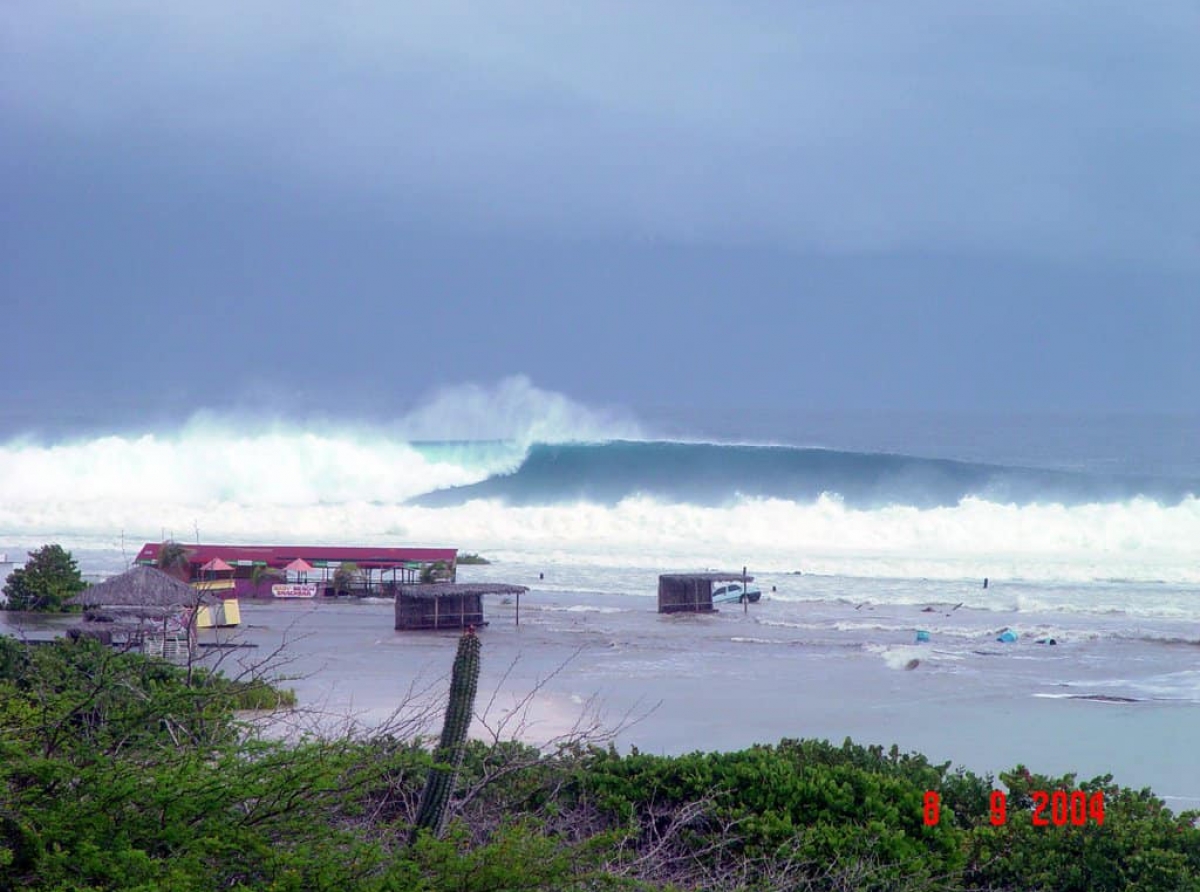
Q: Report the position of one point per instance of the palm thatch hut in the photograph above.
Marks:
(448, 605)
(691, 592)
(143, 609)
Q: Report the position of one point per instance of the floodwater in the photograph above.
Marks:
(609, 664)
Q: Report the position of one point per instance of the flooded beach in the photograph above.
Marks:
(1097, 701)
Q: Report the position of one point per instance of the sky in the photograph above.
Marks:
(711, 205)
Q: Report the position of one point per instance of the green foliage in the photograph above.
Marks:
(121, 772)
(460, 707)
(1140, 846)
(114, 770)
(256, 695)
(806, 800)
(471, 559)
(45, 583)
(518, 856)
(438, 571)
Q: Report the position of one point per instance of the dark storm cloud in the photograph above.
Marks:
(1048, 129)
(873, 204)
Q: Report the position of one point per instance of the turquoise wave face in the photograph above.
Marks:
(713, 474)
(472, 455)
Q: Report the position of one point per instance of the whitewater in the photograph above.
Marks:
(528, 476)
(859, 536)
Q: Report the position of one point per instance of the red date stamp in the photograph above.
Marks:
(1059, 808)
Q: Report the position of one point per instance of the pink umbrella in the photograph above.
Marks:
(299, 565)
(216, 565)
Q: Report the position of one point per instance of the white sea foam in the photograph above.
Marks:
(1180, 686)
(899, 657)
(578, 608)
(909, 627)
(783, 624)
(206, 464)
(242, 481)
(338, 492)
(253, 462)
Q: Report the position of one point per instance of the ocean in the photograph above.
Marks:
(1107, 504)
(861, 530)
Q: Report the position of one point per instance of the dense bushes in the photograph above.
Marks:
(118, 772)
(805, 802)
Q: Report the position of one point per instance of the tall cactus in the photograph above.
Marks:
(435, 801)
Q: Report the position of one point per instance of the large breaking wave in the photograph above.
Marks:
(547, 480)
(714, 474)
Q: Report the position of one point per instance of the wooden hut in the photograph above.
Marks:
(448, 605)
(691, 592)
(143, 609)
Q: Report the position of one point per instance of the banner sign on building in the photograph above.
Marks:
(295, 590)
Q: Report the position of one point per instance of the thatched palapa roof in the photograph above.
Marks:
(708, 577)
(446, 589)
(143, 586)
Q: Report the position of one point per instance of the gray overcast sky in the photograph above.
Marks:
(854, 205)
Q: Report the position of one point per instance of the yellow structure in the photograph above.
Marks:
(222, 615)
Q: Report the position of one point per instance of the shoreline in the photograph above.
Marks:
(1096, 703)
(728, 680)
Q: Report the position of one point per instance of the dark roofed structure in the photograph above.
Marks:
(691, 592)
(143, 609)
(448, 605)
(142, 586)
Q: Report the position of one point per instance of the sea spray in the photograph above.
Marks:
(513, 410)
(211, 465)
(641, 504)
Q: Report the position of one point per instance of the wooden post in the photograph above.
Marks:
(745, 594)
(435, 611)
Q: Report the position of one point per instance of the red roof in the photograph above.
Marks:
(281, 555)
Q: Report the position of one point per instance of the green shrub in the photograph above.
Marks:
(120, 772)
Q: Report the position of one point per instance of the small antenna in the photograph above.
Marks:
(196, 524)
